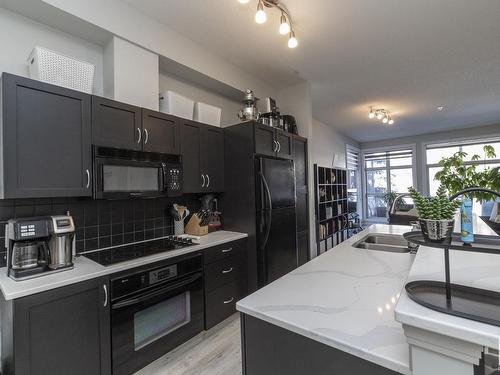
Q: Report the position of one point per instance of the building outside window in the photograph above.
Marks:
(436, 152)
(385, 172)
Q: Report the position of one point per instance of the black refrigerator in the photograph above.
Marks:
(276, 235)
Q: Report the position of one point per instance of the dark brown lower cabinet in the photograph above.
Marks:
(64, 331)
(225, 274)
(271, 350)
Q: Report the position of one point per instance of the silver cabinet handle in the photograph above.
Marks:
(87, 172)
(139, 135)
(203, 180)
(105, 295)
(146, 136)
(229, 301)
(279, 146)
(227, 250)
(208, 180)
(275, 148)
(227, 271)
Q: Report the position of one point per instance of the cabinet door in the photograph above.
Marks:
(212, 158)
(65, 331)
(46, 140)
(191, 157)
(300, 161)
(265, 142)
(285, 145)
(161, 132)
(116, 124)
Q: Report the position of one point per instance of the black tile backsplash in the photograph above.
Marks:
(101, 223)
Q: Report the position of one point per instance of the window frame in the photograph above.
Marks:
(409, 146)
(460, 142)
(359, 182)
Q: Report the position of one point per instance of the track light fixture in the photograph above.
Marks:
(286, 25)
(381, 114)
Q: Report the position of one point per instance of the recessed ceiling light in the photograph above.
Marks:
(441, 108)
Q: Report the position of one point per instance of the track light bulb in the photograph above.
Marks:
(371, 114)
(380, 116)
(385, 120)
(391, 121)
(260, 16)
(284, 26)
(243, 1)
(292, 42)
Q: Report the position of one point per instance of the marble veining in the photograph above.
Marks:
(86, 269)
(345, 299)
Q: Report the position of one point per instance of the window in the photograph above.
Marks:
(434, 153)
(353, 179)
(386, 172)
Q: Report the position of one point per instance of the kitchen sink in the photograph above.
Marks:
(383, 242)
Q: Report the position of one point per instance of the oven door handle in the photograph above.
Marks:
(156, 293)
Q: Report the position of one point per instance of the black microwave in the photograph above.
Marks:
(120, 174)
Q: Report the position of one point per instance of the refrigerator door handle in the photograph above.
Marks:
(270, 212)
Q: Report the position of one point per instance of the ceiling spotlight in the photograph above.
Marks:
(292, 42)
(381, 114)
(260, 16)
(441, 108)
(284, 25)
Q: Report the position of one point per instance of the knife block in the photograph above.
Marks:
(193, 227)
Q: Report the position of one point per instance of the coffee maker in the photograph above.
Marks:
(39, 245)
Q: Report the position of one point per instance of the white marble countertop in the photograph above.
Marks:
(86, 269)
(466, 268)
(343, 298)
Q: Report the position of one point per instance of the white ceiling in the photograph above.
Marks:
(408, 56)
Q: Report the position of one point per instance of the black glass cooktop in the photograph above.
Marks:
(124, 253)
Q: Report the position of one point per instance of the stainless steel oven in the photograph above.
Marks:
(123, 173)
(153, 310)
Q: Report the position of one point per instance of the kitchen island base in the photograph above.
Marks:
(271, 350)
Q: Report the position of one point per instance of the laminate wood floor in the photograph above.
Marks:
(214, 352)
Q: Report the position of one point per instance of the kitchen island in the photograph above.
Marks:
(336, 314)
(333, 315)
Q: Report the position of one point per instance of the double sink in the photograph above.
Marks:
(383, 242)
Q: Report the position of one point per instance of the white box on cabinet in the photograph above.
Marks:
(207, 114)
(176, 104)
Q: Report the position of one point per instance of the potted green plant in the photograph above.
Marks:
(436, 214)
(458, 174)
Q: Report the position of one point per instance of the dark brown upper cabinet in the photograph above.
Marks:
(202, 157)
(121, 125)
(116, 124)
(161, 132)
(270, 141)
(46, 140)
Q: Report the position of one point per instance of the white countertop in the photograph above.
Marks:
(343, 298)
(86, 269)
(466, 268)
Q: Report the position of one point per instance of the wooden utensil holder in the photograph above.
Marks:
(193, 227)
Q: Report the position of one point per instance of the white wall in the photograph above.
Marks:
(18, 36)
(327, 147)
(132, 74)
(296, 101)
(124, 21)
(229, 107)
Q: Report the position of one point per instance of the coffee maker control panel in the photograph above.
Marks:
(25, 230)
